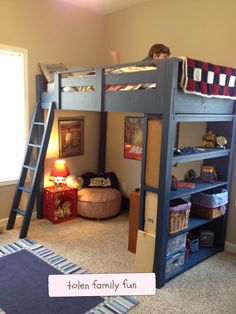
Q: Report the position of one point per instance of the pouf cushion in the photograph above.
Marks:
(99, 202)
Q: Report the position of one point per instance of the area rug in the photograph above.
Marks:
(24, 269)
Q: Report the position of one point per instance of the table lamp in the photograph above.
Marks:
(60, 170)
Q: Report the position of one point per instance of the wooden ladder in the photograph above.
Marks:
(36, 149)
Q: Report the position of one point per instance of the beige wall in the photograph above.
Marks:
(127, 170)
(204, 29)
(54, 31)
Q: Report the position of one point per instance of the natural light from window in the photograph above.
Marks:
(12, 115)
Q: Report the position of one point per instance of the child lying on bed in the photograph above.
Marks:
(156, 52)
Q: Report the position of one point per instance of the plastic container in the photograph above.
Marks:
(176, 244)
(193, 243)
(175, 261)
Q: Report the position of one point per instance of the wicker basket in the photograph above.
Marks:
(179, 215)
(208, 213)
(211, 199)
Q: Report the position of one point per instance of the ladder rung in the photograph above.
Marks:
(29, 167)
(35, 145)
(38, 123)
(20, 211)
(22, 188)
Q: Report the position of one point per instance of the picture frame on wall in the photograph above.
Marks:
(133, 137)
(71, 137)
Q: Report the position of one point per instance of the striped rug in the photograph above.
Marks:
(111, 305)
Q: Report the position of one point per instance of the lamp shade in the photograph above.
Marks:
(60, 169)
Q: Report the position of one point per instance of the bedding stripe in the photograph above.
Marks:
(111, 305)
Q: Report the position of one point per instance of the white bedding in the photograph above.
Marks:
(109, 88)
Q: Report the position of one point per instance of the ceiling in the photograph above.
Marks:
(105, 6)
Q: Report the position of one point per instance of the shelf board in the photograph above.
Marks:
(205, 117)
(182, 192)
(193, 259)
(194, 222)
(207, 154)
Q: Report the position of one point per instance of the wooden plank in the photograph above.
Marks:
(151, 202)
(133, 220)
(144, 252)
(153, 152)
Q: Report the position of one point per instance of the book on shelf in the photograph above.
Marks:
(185, 184)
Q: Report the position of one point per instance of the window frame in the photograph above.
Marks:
(24, 53)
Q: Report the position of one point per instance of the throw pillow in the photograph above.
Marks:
(48, 70)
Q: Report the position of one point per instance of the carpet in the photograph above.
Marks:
(24, 269)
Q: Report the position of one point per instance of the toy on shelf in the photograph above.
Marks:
(208, 174)
(221, 142)
(174, 183)
(209, 140)
(190, 175)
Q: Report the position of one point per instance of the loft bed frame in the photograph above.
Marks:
(157, 101)
(167, 102)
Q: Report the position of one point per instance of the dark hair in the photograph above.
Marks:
(158, 49)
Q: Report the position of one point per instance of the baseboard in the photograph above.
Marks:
(230, 247)
(3, 221)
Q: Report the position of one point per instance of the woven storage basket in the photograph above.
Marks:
(211, 199)
(208, 213)
(210, 204)
(179, 215)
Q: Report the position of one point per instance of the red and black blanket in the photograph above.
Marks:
(206, 79)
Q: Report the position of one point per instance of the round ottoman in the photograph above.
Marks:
(99, 202)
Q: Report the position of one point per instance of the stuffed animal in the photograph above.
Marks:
(58, 213)
(75, 182)
(67, 208)
(57, 202)
(209, 140)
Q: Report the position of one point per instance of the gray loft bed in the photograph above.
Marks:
(170, 104)
(165, 97)
(165, 101)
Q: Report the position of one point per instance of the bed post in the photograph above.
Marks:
(41, 86)
(103, 119)
(102, 142)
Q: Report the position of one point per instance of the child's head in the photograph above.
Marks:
(159, 51)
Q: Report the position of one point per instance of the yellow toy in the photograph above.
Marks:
(66, 208)
(209, 140)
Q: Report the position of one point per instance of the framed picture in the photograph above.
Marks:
(133, 137)
(71, 137)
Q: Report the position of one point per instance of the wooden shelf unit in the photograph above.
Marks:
(156, 178)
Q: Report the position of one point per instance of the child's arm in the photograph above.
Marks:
(115, 55)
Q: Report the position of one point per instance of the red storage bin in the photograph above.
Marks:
(59, 205)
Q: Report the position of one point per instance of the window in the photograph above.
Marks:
(13, 112)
